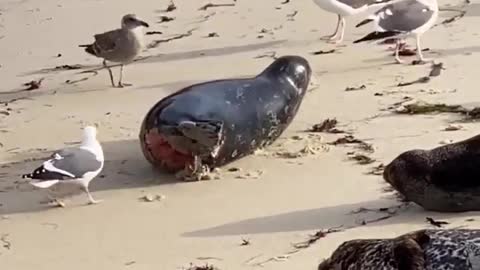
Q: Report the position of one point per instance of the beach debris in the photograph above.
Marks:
(453, 127)
(59, 55)
(211, 5)
(149, 33)
(5, 242)
(152, 198)
(454, 18)
(349, 139)
(251, 175)
(436, 223)
(212, 34)
(421, 107)
(291, 16)
(328, 125)
(245, 242)
(164, 18)
(424, 79)
(305, 151)
(130, 263)
(361, 159)
(361, 87)
(280, 258)
(469, 220)
(272, 55)
(205, 267)
(320, 52)
(68, 67)
(171, 7)
(32, 85)
(285, 2)
(155, 43)
(234, 169)
(377, 170)
(317, 236)
(436, 69)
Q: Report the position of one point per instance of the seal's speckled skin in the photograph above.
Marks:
(214, 123)
(419, 250)
(444, 179)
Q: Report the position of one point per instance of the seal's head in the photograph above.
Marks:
(292, 68)
(130, 21)
(409, 169)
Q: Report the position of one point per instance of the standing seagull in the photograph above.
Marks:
(120, 45)
(345, 8)
(401, 20)
(77, 165)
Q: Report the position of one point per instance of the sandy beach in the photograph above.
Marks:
(262, 204)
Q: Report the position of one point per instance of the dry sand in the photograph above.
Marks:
(206, 221)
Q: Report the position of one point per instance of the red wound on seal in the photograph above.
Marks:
(159, 152)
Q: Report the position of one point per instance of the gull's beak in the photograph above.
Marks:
(143, 23)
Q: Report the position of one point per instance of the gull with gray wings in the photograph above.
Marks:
(407, 18)
(76, 165)
(120, 45)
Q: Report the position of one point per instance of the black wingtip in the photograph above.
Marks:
(88, 48)
(27, 176)
(377, 35)
(364, 22)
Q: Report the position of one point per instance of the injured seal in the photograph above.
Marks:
(448, 249)
(210, 124)
(444, 179)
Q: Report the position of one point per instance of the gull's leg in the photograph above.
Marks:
(419, 52)
(120, 83)
(397, 49)
(91, 200)
(109, 72)
(342, 30)
(334, 35)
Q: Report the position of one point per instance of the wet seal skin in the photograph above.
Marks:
(210, 124)
(443, 249)
(443, 179)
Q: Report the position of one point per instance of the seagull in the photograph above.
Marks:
(76, 165)
(120, 45)
(345, 8)
(407, 18)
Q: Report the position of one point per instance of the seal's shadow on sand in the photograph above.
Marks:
(325, 218)
(125, 167)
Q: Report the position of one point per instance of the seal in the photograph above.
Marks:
(208, 125)
(443, 249)
(443, 179)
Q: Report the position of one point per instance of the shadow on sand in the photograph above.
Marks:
(125, 167)
(324, 218)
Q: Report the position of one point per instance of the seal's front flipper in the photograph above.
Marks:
(206, 133)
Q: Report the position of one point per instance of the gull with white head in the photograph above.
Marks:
(120, 45)
(76, 165)
(407, 18)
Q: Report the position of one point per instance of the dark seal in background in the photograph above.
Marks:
(445, 179)
(210, 124)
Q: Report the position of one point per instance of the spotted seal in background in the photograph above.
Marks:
(449, 249)
(445, 179)
(210, 124)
